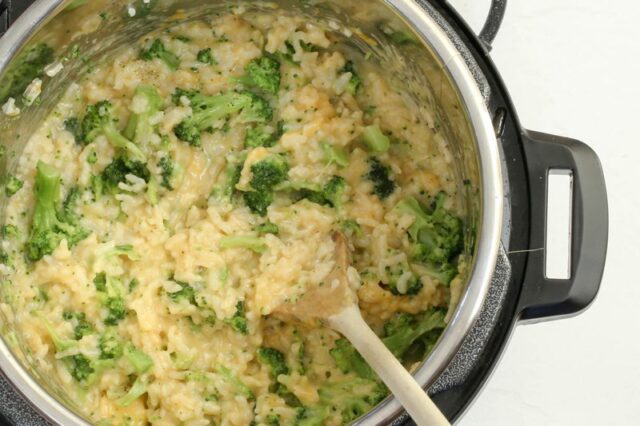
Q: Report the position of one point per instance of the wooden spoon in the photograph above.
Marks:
(335, 302)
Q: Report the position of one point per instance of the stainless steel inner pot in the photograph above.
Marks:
(432, 69)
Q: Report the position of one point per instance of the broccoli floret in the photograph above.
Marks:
(81, 367)
(117, 171)
(239, 320)
(140, 361)
(267, 228)
(266, 174)
(157, 50)
(47, 227)
(401, 280)
(186, 292)
(81, 327)
(332, 193)
(111, 346)
(311, 416)
(403, 330)
(167, 168)
(99, 120)
(262, 136)
(272, 420)
(352, 227)
(349, 360)
(116, 310)
(352, 398)
(9, 231)
(138, 389)
(241, 387)
(147, 102)
(258, 202)
(5, 259)
(207, 110)
(24, 69)
(335, 155)
(74, 126)
(269, 172)
(383, 185)
(438, 235)
(205, 56)
(12, 186)
(376, 141)
(355, 82)
(111, 293)
(262, 73)
(69, 204)
(274, 359)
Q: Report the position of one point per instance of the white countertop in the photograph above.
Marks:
(573, 69)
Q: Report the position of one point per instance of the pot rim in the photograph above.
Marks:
(490, 221)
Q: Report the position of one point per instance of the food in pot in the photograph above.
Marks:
(183, 190)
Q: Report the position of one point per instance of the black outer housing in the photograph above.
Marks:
(526, 159)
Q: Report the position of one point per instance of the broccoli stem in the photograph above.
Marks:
(138, 389)
(254, 244)
(376, 141)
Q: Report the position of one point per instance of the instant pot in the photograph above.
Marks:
(504, 169)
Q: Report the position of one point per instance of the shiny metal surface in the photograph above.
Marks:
(434, 71)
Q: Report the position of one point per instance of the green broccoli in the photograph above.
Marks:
(267, 228)
(262, 136)
(262, 73)
(265, 175)
(311, 416)
(138, 389)
(47, 227)
(99, 120)
(167, 168)
(254, 244)
(335, 155)
(332, 193)
(186, 292)
(376, 141)
(274, 359)
(81, 327)
(355, 82)
(110, 345)
(140, 361)
(349, 360)
(12, 185)
(124, 250)
(207, 110)
(74, 126)
(444, 273)
(117, 171)
(205, 56)
(157, 50)
(60, 344)
(401, 279)
(111, 292)
(272, 420)
(269, 172)
(351, 397)
(239, 320)
(5, 259)
(350, 226)
(241, 387)
(403, 330)
(69, 204)
(378, 174)
(81, 367)
(437, 235)
(148, 103)
(24, 69)
(9, 231)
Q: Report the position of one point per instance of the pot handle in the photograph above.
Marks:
(493, 22)
(541, 297)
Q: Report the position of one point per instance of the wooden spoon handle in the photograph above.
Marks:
(413, 398)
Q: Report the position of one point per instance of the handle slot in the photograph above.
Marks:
(559, 224)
